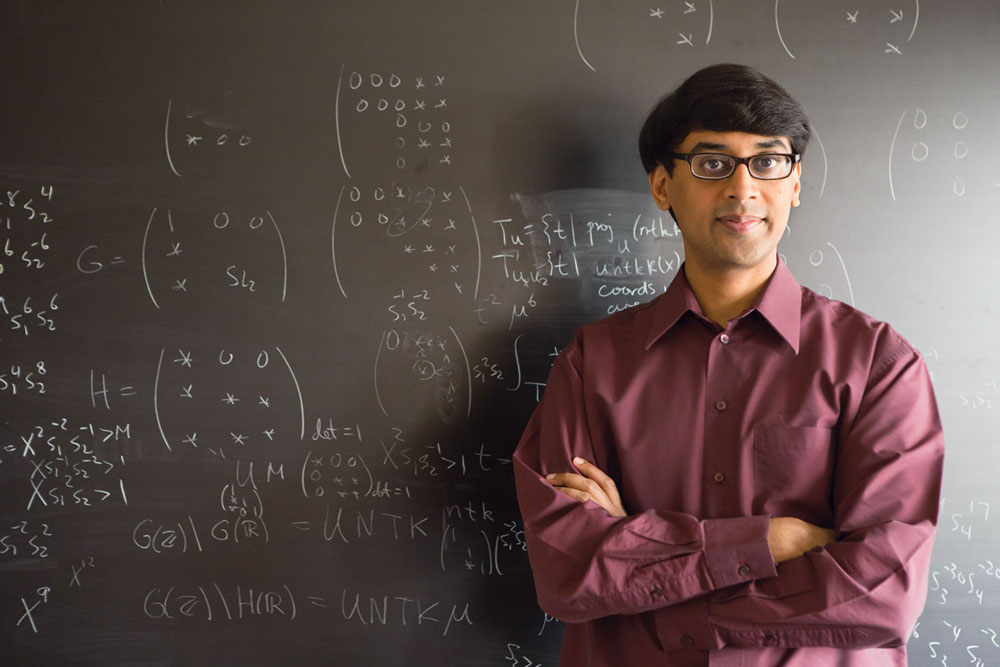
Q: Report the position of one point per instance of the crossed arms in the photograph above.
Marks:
(741, 581)
(788, 537)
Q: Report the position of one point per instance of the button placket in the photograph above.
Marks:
(722, 394)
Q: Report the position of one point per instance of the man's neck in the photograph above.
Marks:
(726, 294)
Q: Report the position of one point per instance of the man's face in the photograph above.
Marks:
(733, 223)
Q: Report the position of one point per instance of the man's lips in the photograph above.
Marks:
(740, 224)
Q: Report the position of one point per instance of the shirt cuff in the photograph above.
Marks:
(737, 551)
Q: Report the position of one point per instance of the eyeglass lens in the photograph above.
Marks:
(766, 167)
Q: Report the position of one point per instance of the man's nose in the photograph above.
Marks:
(741, 185)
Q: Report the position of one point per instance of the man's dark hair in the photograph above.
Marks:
(721, 98)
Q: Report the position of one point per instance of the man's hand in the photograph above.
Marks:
(593, 484)
(790, 537)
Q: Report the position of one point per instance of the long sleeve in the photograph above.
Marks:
(867, 588)
(711, 583)
(802, 407)
(588, 565)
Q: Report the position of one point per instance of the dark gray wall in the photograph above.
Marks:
(281, 284)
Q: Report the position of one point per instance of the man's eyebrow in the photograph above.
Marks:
(708, 146)
(712, 146)
(770, 143)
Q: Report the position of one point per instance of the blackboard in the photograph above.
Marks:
(281, 284)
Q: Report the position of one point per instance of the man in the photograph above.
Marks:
(740, 472)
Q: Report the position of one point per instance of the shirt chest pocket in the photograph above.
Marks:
(793, 472)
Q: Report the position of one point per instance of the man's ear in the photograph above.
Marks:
(797, 187)
(659, 186)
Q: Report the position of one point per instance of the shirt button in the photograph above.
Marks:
(724, 339)
(719, 477)
(720, 405)
(771, 639)
(655, 592)
(687, 640)
(744, 570)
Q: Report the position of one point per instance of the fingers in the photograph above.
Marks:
(592, 485)
(790, 537)
(826, 536)
(575, 494)
(580, 488)
(597, 475)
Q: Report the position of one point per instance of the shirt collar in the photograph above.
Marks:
(780, 302)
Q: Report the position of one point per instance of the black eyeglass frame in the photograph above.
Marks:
(795, 158)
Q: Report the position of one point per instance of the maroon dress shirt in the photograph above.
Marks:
(802, 407)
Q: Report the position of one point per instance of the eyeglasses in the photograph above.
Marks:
(716, 166)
